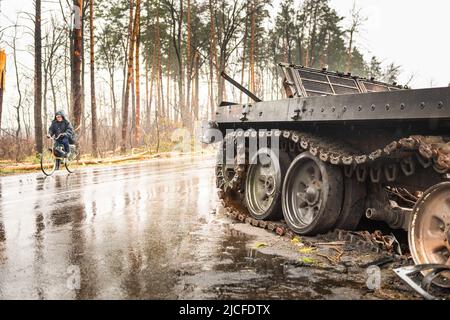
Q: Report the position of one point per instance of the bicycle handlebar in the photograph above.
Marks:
(53, 137)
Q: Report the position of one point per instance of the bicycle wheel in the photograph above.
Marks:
(71, 157)
(48, 162)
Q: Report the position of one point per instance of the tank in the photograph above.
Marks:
(339, 148)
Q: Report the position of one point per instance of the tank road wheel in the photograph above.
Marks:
(264, 184)
(353, 204)
(312, 195)
(429, 230)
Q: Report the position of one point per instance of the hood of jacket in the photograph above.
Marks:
(62, 114)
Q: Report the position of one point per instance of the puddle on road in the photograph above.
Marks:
(238, 271)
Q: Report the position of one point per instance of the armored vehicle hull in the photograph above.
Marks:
(339, 148)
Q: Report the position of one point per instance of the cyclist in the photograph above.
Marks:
(61, 127)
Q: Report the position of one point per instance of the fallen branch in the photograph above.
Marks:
(333, 259)
(333, 243)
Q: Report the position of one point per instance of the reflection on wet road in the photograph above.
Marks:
(124, 228)
(133, 231)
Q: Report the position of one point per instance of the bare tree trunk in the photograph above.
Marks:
(169, 59)
(188, 64)
(126, 48)
(181, 96)
(26, 123)
(83, 72)
(72, 71)
(92, 62)
(114, 112)
(38, 77)
(212, 101)
(357, 20)
(127, 87)
(2, 81)
(244, 56)
(44, 98)
(68, 92)
(196, 86)
(213, 53)
(158, 86)
(312, 56)
(133, 101)
(148, 91)
(137, 132)
(76, 72)
(177, 44)
(46, 63)
(252, 48)
(151, 86)
(161, 87)
(19, 93)
(147, 96)
(158, 94)
(176, 110)
(52, 85)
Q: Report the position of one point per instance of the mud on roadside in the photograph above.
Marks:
(328, 267)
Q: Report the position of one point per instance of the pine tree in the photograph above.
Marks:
(38, 77)
(375, 68)
(284, 27)
(137, 132)
(92, 67)
(76, 66)
(132, 42)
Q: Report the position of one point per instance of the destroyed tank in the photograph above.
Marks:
(338, 148)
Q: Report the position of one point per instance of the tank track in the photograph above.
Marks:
(223, 182)
(398, 156)
(428, 150)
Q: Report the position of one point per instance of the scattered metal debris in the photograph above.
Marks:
(332, 243)
(380, 262)
(334, 259)
(430, 272)
(364, 240)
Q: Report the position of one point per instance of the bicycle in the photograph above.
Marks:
(52, 156)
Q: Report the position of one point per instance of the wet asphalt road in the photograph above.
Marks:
(123, 229)
(139, 231)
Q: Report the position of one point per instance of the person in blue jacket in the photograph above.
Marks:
(61, 127)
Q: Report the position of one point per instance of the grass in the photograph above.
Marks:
(31, 163)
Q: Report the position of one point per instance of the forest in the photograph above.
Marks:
(129, 72)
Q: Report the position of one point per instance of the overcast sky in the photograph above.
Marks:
(411, 33)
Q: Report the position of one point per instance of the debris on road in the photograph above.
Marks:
(334, 259)
(380, 262)
(364, 240)
(307, 260)
(259, 245)
(332, 243)
(307, 250)
(337, 248)
(430, 274)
